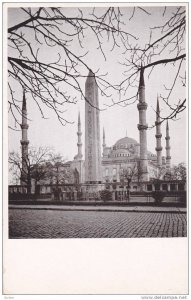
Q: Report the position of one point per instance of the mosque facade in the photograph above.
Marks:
(127, 160)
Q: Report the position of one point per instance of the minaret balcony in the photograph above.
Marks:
(142, 127)
(157, 123)
(78, 156)
(24, 126)
(167, 138)
(24, 142)
(142, 106)
(167, 148)
(158, 135)
(168, 157)
(158, 148)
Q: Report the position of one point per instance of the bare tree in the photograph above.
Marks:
(166, 46)
(61, 32)
(57, 172)
(132, 173)
(161, 172)
(177, 172)
(53, 81)
(35, 166)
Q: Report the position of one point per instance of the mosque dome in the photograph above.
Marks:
(123, 148)
(125, 142)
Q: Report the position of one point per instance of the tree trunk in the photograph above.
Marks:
(29, 188)
(28, 184)
(35, 187)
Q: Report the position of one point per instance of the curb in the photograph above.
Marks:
(100, 210)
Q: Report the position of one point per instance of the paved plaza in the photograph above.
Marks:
(96, 222)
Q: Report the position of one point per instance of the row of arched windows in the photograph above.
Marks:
(121, 154)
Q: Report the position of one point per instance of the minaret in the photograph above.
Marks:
(93, 172)
(167, 138)
(79, 144)
(24, 141)
(158, 136)
(104, 144)
(142, 126)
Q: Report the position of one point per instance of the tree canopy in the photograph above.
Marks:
(48, 50)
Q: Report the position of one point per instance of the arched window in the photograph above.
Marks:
(114, 171)
(76, 176)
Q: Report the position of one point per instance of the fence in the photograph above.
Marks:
(156, 197)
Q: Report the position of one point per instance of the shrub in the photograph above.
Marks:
(105, 195)
(158, 196)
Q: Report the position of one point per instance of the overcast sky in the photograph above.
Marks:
(116, 120)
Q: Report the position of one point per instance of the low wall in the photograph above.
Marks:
(19, 196)
(71, 198)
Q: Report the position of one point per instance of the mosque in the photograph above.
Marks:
(126, 160)
(126, 156)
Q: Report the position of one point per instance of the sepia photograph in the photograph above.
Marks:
(95, 149)
(97, 122)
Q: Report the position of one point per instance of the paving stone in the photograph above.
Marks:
(31, 223)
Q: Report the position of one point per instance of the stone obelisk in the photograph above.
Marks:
(92, 132)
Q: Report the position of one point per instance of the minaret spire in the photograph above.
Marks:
(24, 106)
(167, 138)
(142, 126)
(79, 144)
(141, 81)
(104, 143)
(24, 141)
(158, 135)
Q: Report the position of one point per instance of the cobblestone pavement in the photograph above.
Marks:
(31, 223)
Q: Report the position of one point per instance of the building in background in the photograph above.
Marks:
(127, 158)
(127, 161)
